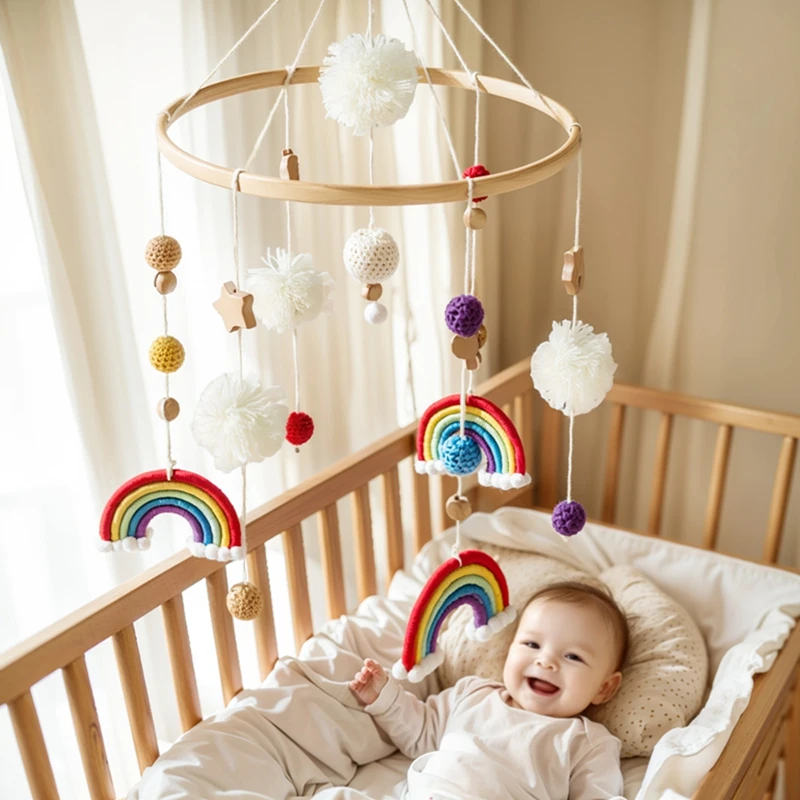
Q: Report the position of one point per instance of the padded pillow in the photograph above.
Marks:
(664, 677)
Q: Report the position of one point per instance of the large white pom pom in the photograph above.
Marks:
(368, 83)
(371, 255)
(573, 370)
(288, 291)
(239, 422)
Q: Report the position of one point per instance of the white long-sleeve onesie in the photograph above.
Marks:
(470, 744)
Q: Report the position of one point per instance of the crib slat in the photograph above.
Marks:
(32, 749)
(716, 488)
(780, 499)
(224, 639)
(659, 474)
(87, 730)
(129, 663)
(613, 459)
(365, 553)
(180, 659)
(295, 557)
(264, 623)
(422, 510)
(792, 766)
(390, 482)
(523, 418)
(328, 520)
(550, 458)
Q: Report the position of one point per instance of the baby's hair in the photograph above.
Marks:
(587, 594)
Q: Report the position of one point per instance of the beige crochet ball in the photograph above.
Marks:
(166, 354)
(163, 253)
(244, 601)
(371, 255)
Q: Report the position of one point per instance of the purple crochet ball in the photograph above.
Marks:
(569, 518)
(464, 315)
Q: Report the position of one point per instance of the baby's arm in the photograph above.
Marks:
(598, 776)
(415, 727)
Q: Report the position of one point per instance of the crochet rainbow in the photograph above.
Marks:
(216, 532)
(487, 425)
(476, 581)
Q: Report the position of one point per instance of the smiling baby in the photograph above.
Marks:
(526, 737)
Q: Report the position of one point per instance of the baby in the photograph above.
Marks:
(525, 737)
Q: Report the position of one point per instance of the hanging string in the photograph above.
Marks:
(227, 55)
(371, 174)
(455, 550)
(447, 36)
(370, 14)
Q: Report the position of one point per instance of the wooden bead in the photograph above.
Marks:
(168, 408)
(290, 166)
(467, 349)
(235, 307)
(482, 334)
(475, 218)
(572, 274)
(165, 282)
(371, 291)
(458, 508)
(163, 253)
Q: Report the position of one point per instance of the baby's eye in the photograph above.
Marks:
(532, 645)
(573, 657)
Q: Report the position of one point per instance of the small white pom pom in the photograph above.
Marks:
(485, 478)
(237, 553)
(224, 554)
(129, 544)
(574, 369)
(197, 549)
(496, 623)
(518, 480)
(149, 533)
(371, 255)
(399, 671)
(143, 543)
(239, 422)
(375, 313)
(211, 552)
(103, 545)
(367, 83)
(419, 467)
(483, 634)
(116, 546)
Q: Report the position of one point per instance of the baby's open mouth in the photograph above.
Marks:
(539, 686)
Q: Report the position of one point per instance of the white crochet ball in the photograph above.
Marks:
(287, 291)
(239, 422)
(368, 83)
(573, 370)
(371, 255)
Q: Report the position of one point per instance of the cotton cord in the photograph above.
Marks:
(296, 370)
(447, 36)
(227, 55)
(370, 14)
(371, 174)
(160, 174)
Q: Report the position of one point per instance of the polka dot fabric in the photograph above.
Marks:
(667, 668)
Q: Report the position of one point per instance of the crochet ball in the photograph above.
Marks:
(163, 253)
(461, 456)
(573, 370)
(238, 421)
(371, 255)
(368, 83)
(375, 313)
(244, 601)
(464, 315)
(166, 354)
(299, 428)
(569, 518)
(477, 171)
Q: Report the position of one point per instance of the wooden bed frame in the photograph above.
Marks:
(768, 730)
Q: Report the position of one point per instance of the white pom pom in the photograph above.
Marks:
(419, 467)
(129, 544)
(483, 634)
(430, 468)
(371, 255)
(197, 549)
(224, 554)
(368, 83)
(237, 553)
(239, 422)
(573, 370)
(485, 478)
(288, 291)
(103, 545)
(143, 543)
(116, 546)
(149, 533)
(399, 671)
(211, 552)
(375, 313)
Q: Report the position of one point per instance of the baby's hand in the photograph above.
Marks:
(369, 681)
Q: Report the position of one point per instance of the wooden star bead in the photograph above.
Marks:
(458, 508)
(467, 349)
(168, 408)
(290, 165)
(371, 291)
(163, 253)
(482, 334)
(165, 282)
(235, 307)
(572, 274)
(475, 218)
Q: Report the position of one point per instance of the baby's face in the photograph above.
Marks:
(562, 659)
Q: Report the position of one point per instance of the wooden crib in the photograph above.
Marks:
(768, 730)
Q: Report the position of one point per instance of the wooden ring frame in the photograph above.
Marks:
(400, 195)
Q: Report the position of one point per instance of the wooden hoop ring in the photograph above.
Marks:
(400, 195)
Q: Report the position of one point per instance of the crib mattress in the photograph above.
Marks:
(303, 734)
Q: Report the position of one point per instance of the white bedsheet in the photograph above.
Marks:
(302, 734)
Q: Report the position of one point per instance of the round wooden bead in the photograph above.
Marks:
(165, 282)
(482, 334)
(458, 508)
(244, 601)
(166, 354)
(475, 218)
(371, 291)
(162, 253)
(168, 408)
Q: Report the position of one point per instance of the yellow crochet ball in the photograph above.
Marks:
(167, 354)
(244, 601)
(162, 253)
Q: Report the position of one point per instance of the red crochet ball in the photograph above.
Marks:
(299, 428)
(478, 171)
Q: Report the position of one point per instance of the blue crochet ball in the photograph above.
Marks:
(569, 518)
(461, 456)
